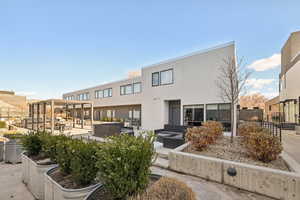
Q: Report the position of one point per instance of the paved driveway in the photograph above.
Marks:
(291, 144)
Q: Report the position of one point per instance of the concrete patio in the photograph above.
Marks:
(291, 143)
(13, 188)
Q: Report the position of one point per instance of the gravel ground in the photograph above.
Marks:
(226, 150)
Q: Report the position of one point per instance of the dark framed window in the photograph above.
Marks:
(166, 77)
(107, 92)
(218, 112)
(193, 115)
(155, 79)
(98, 94)
(137, 87)
(126, 89)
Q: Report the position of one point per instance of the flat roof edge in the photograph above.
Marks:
(202, 51)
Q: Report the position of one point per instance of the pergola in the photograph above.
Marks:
(41, 110)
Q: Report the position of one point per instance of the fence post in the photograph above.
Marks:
(280, 131)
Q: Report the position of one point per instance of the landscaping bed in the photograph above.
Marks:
(235, 151)
(102, 193)
(66, 180)
(251, 162)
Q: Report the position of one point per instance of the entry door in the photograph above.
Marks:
(174, 113)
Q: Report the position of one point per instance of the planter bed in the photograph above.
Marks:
(267, 181)
(226, 150)
(33, 175)
(101, 193)
(59, 187)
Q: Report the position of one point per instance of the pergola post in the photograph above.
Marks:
(74, 107)
(52, 116)
(82, 115)
(92, 114)
(38, 117)
(44, 116)
(32, 116)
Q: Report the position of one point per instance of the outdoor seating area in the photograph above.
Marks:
(57, 115)
(171, 136)
(106, 129)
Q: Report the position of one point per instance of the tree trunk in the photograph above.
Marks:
(232, 122)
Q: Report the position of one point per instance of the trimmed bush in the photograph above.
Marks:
(167, 188)
(262, 146)
(216, 128)
(2, 124)
(124, 164)
(200, 137)
(50, 145)
(64, 154)
(32, 143)
(83, 163)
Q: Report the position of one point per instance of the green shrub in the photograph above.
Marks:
(83, 163)
(2, 124)
(200, 137)
(64, 155)
(262, 146)
(32, 143)
(124, 164)
(50, 145)
(167, 188)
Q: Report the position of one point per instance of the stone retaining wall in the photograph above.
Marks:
(270, 182)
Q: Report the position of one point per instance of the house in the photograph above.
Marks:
(178, 91)
(289, 81)
(272, 113)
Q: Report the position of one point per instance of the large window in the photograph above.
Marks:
(107, 92)
(126, 89)
(98, 94)
(162, 78)
(166, 77)
(218, 112)
(83, 96)
(69, 97)
(155, 79)
(193, 115)
(137, 87)
(130, 88)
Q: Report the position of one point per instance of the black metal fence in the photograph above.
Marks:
(275, 129)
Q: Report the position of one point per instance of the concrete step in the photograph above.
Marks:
(161, 162)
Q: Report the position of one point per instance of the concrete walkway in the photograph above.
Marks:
(11, 186)
(207, 190)
(291, 144)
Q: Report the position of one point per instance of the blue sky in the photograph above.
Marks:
(51, 47)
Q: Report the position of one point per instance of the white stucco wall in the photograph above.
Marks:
(292, 87)
(194, 83)
(116, 99)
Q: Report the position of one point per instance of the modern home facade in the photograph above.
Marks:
(289, 79)
(179, 91)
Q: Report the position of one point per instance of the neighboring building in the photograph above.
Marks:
(289, 83)
(11, 105)
(179, 91)
(272, 113)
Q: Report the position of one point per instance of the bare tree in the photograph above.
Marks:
(231, 83)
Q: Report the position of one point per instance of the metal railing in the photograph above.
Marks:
(274, 129)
